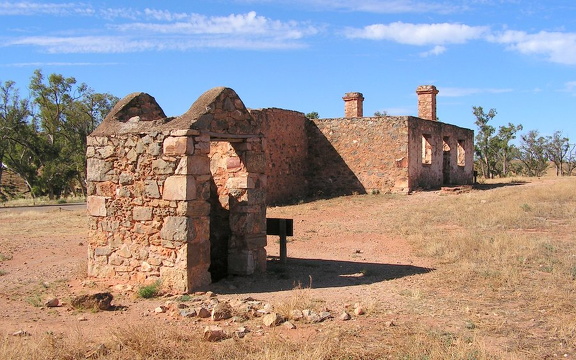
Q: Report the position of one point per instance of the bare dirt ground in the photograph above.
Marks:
(338, 252)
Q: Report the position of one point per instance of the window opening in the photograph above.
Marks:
(426, 149)
(461, 153)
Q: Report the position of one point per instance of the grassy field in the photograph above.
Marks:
(503, 287)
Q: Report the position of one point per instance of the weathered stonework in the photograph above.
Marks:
(183, 200)
(149, 191)
(427, 102)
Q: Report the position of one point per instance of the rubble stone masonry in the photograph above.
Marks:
(182, 200)
(149, 192)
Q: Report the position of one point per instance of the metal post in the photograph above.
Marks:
(283, 250)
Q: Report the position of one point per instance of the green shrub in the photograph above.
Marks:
(149, 291)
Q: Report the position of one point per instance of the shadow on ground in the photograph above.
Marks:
(498, 185)
(314, 273)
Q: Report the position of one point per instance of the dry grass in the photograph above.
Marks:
(503, 288)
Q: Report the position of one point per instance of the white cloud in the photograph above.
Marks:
(373, 6)
(557, 47)
(436, 50)
(33, 8)
(44, 64)
(116, 44)
(235, 24)
(176, 31)
(419, 34)
(459, 92)
(570, 87)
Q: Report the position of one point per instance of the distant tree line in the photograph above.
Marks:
(497, 156)
(43, 136)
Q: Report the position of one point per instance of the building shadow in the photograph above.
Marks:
(314, 273)
(328, 175)
(498, 185)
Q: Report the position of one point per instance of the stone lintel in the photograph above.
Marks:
(178, 145)
(184, 132)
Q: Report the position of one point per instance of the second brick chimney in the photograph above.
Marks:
(353, 105)
(427, 102)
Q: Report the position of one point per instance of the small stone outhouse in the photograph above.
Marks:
(181, 199)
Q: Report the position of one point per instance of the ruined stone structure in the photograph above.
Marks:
(152, 194)
(356, 154)
(183, 199)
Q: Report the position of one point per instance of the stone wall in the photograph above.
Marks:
(183, 200)
(451, 158)
(152, 191)
(148, 200)
(286, 152)
(358, 155)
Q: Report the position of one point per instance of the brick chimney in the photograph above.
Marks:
(427, 102)
(353, 105)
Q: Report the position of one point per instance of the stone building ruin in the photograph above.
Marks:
(183, 199)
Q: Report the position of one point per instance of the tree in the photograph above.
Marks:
(312, 115)
(505, 150)
(533, 153)
(485, 146)
(381, 113)
(494, 150)
(571, 159)
(557, 148)
(16, 135)
(66, 114)
(43, 138)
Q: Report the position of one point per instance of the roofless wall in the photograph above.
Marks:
(152, 192)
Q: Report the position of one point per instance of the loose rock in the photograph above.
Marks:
(221, 311)
(214, 333)
(272, 319)
(203, 313)
(52, 302)
(289, 325)
(98, 301)
(345, 316)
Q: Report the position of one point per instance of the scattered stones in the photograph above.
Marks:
(345, 316)
(21, 333)
(160, 309)
(289, 325)
(241, 332)
(98, 301)
(221, 311)
(296, 315)
(52, 302)
(188, 313)
(272, 319)
(123, 288)
(82, 318)
(203, 313)
(214, 333)
(358, 309)
(325, 315)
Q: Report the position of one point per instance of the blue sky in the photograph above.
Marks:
(518, 56)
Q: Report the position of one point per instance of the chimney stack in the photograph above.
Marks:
(427, 102)
(353, 105)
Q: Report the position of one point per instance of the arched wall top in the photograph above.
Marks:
(219, 111)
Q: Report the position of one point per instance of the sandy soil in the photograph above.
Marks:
(336, 250)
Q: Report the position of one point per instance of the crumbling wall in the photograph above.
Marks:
(286, 152)
(451, 154)
(357, 155)
(149, 191)
(147, 197)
